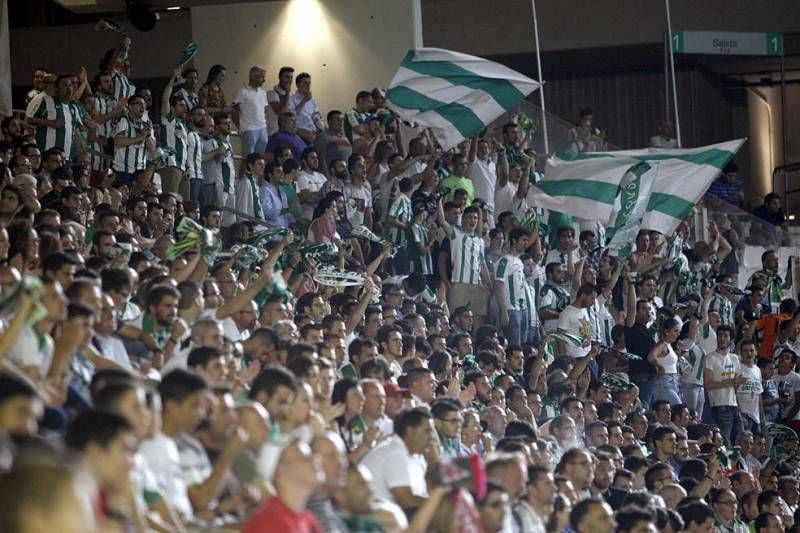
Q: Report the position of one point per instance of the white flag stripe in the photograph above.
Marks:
(584, 185)
(479, 66)
(456, 95)
(482, 104)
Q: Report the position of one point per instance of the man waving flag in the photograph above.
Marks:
(587, 185)
(456, 95)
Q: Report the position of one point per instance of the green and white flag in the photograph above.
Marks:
(630, 207)
(586, 185)
(456, 95)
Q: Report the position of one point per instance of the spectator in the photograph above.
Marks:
(250, 112)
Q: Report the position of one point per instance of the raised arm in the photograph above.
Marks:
(167, 92)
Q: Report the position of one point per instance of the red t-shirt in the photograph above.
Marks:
(276, 517)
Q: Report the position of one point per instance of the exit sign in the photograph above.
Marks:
(727, 43)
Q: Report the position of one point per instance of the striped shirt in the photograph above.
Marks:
(174, 135)
(123, 88)
(531, 309)
(103, 105)
(553, 298)
(420, 263)
(511, 273)
(352, 119)
(601, 321)
(132, 157)
(466, 256)
(693, 364)
(724, 307)
(47, 137)
(400, 211)
(192, 99)
(194, 153)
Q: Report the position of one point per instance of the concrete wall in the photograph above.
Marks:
(507, 27)
(154, 54)
(346, 45)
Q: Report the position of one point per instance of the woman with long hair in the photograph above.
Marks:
(211, 94)
(323, 223)
(358, 438)
(665, 359)
(23, 252)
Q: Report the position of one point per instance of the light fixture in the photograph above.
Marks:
(173, 8)
(791, 217)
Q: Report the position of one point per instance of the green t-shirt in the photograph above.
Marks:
(292, 198)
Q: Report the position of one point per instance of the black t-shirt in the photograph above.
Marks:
(639, 341)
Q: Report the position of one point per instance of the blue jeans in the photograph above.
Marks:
(727, 418)
(645, 382)
(196, 190)
(400, 261)
(517, 324)
(253, 141)
(694, 396)
(666, 388)
(534, 337)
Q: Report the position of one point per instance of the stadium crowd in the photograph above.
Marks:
(335, 328)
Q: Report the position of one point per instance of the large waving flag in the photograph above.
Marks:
(587, 185)
(456, 95)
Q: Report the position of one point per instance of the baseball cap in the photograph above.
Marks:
(395, 391)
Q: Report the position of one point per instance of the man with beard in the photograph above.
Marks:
(358, 193)
(160, 319)
(194, 150)
(53, 118)
(132, 142)
(174, 136)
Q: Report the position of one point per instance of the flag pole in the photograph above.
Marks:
(541, 81)
(416, 22)
(674, 85)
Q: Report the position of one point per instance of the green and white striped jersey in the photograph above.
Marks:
(467, 256)
(132, 157)
(122, 85)
(400, 211)
(46, 137)
(724, 307)
(511, 273)
(174, 135)
(531, 309)
(601, 321)
(194, 153)
(693, 364)
(420, 263)
(104, 105)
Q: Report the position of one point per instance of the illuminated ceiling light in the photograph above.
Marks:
(173, 8)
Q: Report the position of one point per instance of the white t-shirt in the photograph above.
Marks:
(33, 350)
(114, 349)
(273, 95)
(311, 181)
(722, 367)
(788, 385)
(161, 455)
(575, 321)
(392, 466)
(357, 200)
(504, 199)
(252, 108)
(484, 178)
(304, 116)
(749, 393)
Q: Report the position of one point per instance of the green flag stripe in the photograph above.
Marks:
(669, 204)
(502, 91)
(598, 191)
(461, 117)
(713, 157)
